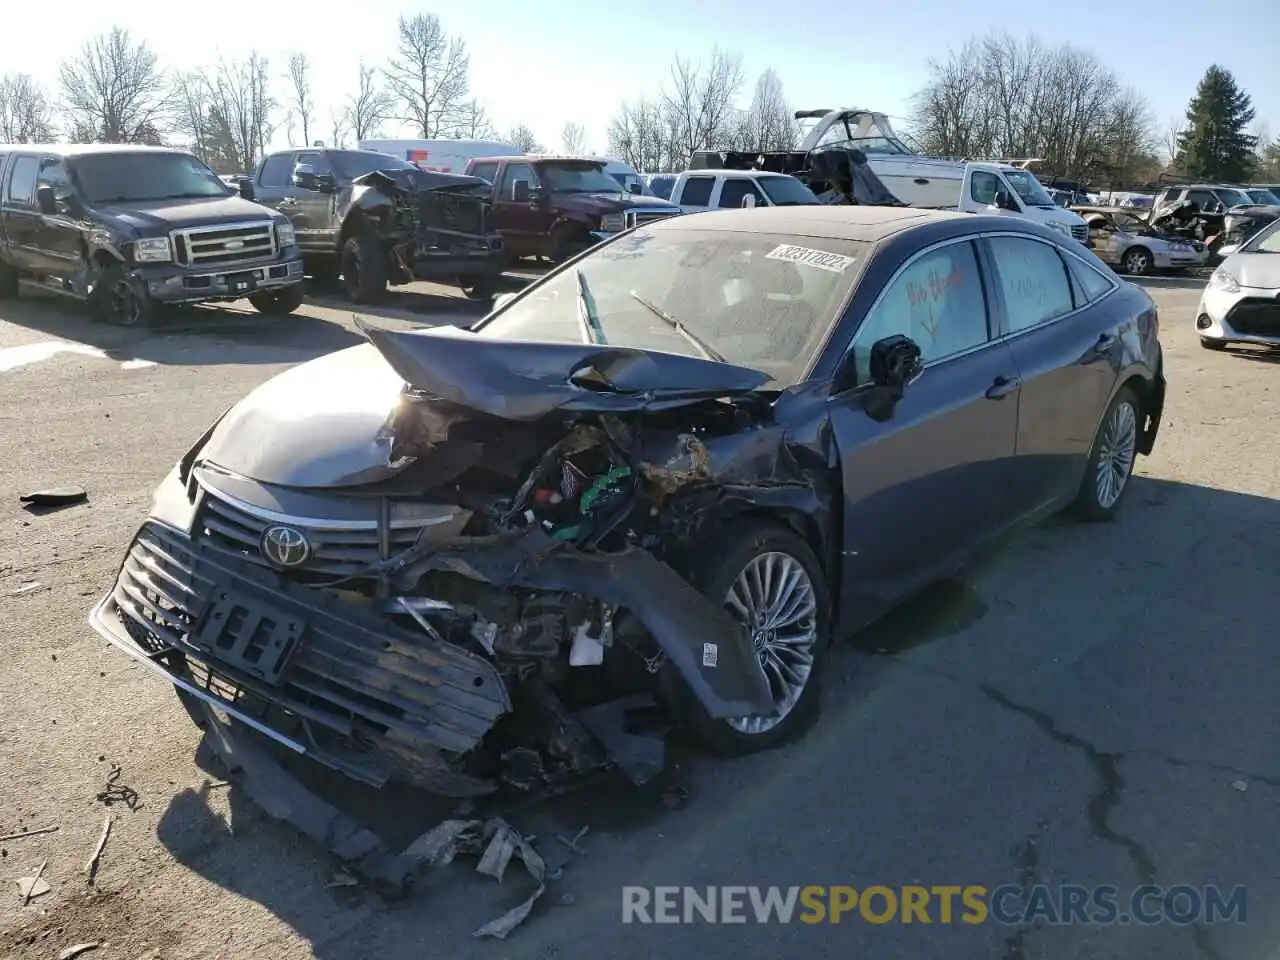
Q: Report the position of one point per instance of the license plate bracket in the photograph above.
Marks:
(244, 282)
(254, 638)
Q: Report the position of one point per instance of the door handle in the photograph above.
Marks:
(1001, 387)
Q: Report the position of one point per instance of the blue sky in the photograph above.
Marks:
(546, 63)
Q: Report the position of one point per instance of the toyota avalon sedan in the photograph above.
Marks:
(650, 488)
(1241, 303)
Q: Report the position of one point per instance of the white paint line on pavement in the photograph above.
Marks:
(13, 357)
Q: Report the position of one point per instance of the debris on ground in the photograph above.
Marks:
(27, 833)
(115, 792)
(34, 885)
(55, 497)
(342, 879)
(675, 797)
(91, 868)
(26, 588)
(1241, 785)
(572, 842)
(75, 951)
(496, 842)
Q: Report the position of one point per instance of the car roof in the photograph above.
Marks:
(863, 222)
(81, 149)
(750, 174)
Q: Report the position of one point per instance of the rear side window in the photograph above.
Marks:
(486, 171)
(277, 171)
(22, 182)
(697, 191)
(735, 189)
(1033, 279)
(1089, 284)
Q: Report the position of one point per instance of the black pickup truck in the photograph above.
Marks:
(374, 219)
(128, 228)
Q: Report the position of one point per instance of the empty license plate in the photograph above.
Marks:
(251, 637)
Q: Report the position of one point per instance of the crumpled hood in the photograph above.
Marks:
(1255, 269)
(416, 181)
(526, 380)
(164, 215)
(318, 424)
(598, 204)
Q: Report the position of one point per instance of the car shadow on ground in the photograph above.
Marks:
(419, 307)
(1258, 354)
(265, 861)
(1186, 281)
(189, 336)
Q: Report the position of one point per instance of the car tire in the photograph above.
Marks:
(1137, 261)
(121, 300)
(279, 303)
(8, 281)
(1111, 459)
(1210, 344)
(364, 267)
(479, 287)
(724, 574)
(567, 242)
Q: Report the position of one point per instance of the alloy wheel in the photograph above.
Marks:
(123, 303)
(774, 598)
(1117, 448)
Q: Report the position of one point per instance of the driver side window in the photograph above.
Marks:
(983, 187)
(937, 301)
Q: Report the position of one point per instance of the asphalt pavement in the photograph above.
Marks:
(1094, 705)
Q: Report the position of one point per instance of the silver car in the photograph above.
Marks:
(1127, 241)
(1241, 304)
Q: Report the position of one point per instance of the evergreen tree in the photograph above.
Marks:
(1215, 146)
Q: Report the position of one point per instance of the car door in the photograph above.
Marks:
(522, 223)
(274, 188)
(21, 218)
(925, 487)
(58, 235)
(1063, 340)
(317, 217)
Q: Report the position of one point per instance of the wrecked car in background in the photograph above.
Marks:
(376, 220)
(1125, 240)
(665, 474)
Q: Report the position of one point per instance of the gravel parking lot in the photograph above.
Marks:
(1094, 705)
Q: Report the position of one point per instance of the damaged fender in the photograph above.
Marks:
(707, 646)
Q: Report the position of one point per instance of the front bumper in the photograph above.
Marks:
(172, 283)
(323, 678)
(1250, 315)
(1179, 260)
(436, 260)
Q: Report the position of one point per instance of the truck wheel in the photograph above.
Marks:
(478, 286)
(120, 299)
(567, 243)
(279, 303)
(364, 267)
(8, 280)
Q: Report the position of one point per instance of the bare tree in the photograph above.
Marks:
(472, 122)
(25, 114)
(369, 107)
(640, 135)
(240, 112)
(1174, 128)
(428, 77)
(114, 89)
(338, 126)
(573, 138)
(768, 123)
(192, 101)
(1002, 97)
(699, 105)
(523, 139)
(300, 103)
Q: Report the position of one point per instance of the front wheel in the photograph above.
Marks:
(364, 267)
(769, 580)
(478, 286)
(1111, 461)
(121, 300)
(1137, 261)
(278, 303)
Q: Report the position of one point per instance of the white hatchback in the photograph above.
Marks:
(1241, 304)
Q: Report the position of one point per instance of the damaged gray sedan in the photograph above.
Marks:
(648, 489)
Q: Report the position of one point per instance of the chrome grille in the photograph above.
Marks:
(224, 244)
(1080, 232)
(637, 217)
(335, 552)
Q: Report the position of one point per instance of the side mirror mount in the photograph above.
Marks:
(635, 189)
(325, 182)
(304, 177)
(520, 191)
(246, 190)
(748, 202)
(895, 363)
(46, 200)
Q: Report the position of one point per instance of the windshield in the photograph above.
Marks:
(1265, 197)
(576, 178)
(350, 164)
(1233, 198)
(786, 191)
(136, 177)
(1129, 223)
(862, 131)
(1028, 188)
(764, 301)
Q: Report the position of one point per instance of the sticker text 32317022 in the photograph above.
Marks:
(821, 259)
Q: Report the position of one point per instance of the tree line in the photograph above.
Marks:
(997, 96)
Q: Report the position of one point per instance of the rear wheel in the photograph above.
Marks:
(769, 580)
(1137, 261)
(1111, 461)
(279, 303)
(364, 267)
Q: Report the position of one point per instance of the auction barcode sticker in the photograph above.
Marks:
(810, 257)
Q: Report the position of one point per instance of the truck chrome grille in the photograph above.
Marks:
(224, 244)
(1080, 232)
(635, 218)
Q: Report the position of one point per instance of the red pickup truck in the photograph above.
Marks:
(556, 207)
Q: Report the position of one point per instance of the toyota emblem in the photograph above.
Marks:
(285, 546)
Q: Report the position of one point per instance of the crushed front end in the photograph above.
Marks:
(505, 604)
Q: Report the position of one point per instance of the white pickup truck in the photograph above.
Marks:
(697, 190)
